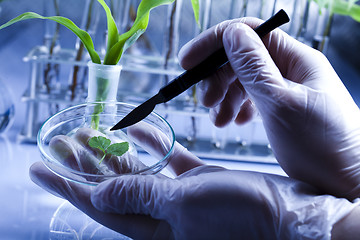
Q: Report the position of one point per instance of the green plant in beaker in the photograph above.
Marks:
(116, 43)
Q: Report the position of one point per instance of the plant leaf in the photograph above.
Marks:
(99, 142)
(84, 36)
(342, 7)
(351, 3)
(139, 26)
(196, 9)
(118, 149)
(113, 33)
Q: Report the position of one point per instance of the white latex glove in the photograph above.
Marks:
(205, 202)
(312, 123)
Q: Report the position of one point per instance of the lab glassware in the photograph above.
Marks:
(7, 107)
(66, 122)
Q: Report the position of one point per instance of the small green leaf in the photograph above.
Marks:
(196, 9)
(104, 144)
(99, 142)
(118, 149)
(84, 36)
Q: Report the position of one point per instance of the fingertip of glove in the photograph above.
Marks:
(39, 173)
(239, 37)
(35, 171)
(215, 119)
(182, 54)
(47, 180)
(186, 54)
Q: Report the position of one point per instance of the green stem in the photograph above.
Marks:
(170, 45)
(326, 33)
(79, 53)
(303, 19)
(101, 94)
(48, 68)
(244, 8)
(103, 157)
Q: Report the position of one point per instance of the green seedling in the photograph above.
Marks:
(116, 43)
(104, 144)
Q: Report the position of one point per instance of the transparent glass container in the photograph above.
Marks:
(100, 112)
(69, 120)
(103, 82)
(7, 107)
(321, 37)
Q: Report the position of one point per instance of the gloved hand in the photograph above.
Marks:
(312, 123)
(204, 202)
(74, 152)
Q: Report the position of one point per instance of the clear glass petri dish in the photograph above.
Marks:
(136, 161)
